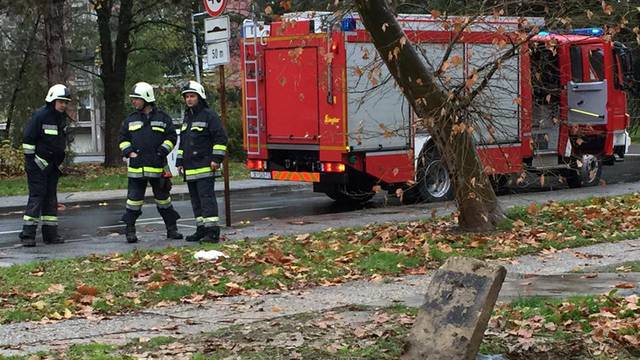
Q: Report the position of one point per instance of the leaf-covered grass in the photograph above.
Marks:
(608, 323)
(96, 178)
(117, 283)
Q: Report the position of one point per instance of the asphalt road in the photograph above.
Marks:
(80, 221)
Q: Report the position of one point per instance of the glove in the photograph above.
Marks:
(162, 151)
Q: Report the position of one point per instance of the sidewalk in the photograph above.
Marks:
(178, 192)
(184, 320)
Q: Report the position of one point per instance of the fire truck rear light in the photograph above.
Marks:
(333, 167)
(256, 164)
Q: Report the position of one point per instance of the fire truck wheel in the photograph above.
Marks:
(432, 177)
(588, 174)
(347, 195)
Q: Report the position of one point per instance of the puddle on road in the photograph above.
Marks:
(563, 285)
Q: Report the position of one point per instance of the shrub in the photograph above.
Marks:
(11, 160)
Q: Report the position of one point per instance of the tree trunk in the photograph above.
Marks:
(19, 78)
(114, 58)
(54, 42)
(477, 203)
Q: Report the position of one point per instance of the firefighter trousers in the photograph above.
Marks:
(42, 205)
(161, 192)
(203, 201)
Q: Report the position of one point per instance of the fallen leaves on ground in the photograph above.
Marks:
(602, 325)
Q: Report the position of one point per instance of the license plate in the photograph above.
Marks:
(260, 175)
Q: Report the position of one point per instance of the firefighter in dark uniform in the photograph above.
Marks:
(44, 148)
(203, 146)
(146, 138)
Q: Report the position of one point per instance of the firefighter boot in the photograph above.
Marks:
(50, 235)
(172, 232)
(130, 232)
(28, 235)
(196, 236)
(211, 235)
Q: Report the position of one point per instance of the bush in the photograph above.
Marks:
(11, 160)
(234, 132)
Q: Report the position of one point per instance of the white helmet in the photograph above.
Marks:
(58, 92)
(143, 91)
(194, 87)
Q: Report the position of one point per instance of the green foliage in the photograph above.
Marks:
(11, 160)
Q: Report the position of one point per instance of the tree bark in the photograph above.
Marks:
(19, 79)
(114, 56)
(477, 203)
(54, 42)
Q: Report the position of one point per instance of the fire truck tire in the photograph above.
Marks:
(345, 194)
(432, 177)
(588, 174)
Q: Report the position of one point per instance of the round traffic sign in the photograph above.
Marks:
(214, 7)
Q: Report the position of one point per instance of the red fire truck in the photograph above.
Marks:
(320, 106)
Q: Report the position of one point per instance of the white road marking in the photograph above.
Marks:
(10, 232)
(259, 209)
(147, 221)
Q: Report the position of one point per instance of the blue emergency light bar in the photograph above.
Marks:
(582, 31)
(348, 24)
(588, 31)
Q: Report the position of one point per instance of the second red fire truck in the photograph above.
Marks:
(320, 106)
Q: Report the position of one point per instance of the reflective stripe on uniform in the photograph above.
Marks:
(134, 172)
(155, 128)
(158, 124)
(167, 144)
(180, 153)
(134, 204)
(50, 129)
(163, 204)
(49, 220)
(135, 125)
(202, 124)
(125, 144)
(203, 172)
(199, 220)
(196, 128)
(28, 148)
(219, 150)
(210, 221)
(144, 171)
(30, 220)
(42, 163)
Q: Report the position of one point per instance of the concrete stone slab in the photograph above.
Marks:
(458, 304)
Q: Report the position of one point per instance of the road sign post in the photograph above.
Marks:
(216, 35)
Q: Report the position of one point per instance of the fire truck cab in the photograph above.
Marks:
(320, 105)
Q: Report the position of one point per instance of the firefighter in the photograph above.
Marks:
(203, 146)
(147, 136)
(44, 148)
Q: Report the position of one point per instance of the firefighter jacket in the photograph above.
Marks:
(152, 136)
(202, 140)
(45, 137)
